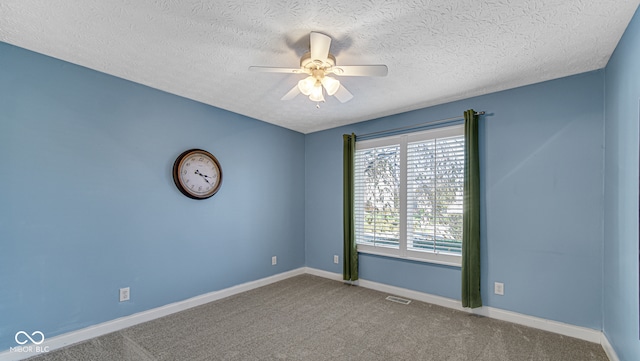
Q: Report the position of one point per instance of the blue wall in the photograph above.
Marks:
(620, 311)
(88, 204)
(541, 192)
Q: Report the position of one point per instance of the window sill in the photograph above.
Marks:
(436, 258)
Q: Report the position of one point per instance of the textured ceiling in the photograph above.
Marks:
(437, 51)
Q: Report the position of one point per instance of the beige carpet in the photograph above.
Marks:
(312, 318)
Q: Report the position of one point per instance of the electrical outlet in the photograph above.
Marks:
(336, 260)
(124, 294)
(498, 288)
(274, 260)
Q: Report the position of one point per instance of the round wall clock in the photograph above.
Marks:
(197, 174)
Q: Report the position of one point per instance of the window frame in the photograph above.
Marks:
(402, 251)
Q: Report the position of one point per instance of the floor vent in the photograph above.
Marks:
(398, 300)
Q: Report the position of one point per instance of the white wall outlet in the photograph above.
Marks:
(274, 260)
(498, 288)
(336, 259)
(124, 294)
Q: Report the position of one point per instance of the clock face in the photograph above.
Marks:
(197, 174)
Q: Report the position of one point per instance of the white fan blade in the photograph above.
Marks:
(319, 46)
(343, 95)
(291, 94)
(361, 70)
(268, 69)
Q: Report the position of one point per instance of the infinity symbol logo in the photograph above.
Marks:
(29, 337)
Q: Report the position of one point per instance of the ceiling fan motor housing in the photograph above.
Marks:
(307, 63)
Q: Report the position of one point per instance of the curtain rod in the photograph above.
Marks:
(416, 126)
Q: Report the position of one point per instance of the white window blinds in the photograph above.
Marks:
(377, 196)
(435, 176)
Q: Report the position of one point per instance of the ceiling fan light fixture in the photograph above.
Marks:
(330, 84)
(316, 94)
(306, 85)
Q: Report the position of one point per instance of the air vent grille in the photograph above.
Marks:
(400, 300)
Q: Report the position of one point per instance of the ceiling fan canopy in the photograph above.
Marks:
(318, 63)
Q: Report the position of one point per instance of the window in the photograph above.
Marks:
(408, 195)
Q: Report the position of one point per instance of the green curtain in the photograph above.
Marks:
(350, 256)
(471, 214)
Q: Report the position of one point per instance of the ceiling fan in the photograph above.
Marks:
(318, 63)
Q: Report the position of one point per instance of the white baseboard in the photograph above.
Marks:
(118, 324)
(324, 274)
(87, 333)
(608, 348)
